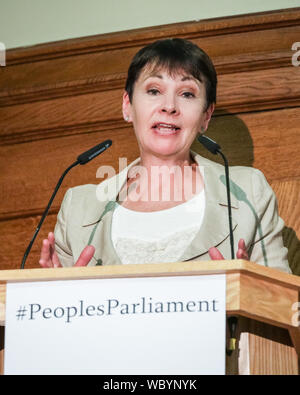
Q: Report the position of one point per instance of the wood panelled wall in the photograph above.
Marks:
(59, 99)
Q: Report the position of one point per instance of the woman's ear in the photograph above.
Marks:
(126, 107)
(208, 115)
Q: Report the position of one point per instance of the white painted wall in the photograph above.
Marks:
(29, 22)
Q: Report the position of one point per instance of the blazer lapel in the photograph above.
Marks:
(105, 253)
(215, 226)
(98, 219)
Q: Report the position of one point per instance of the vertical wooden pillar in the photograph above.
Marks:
(262, 349)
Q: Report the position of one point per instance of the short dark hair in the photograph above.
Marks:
(175, 54)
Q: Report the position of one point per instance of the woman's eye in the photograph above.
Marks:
(188, 95)
(153, 91)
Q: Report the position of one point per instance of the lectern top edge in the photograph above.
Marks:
(160, 269)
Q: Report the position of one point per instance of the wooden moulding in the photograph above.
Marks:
(99, 63)
(138, 37)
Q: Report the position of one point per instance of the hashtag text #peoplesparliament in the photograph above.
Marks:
(110, 307)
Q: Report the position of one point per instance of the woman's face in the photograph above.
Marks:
(167, 112)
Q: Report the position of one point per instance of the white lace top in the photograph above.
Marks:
(159, 236)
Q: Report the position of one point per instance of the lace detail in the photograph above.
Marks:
(168, 249)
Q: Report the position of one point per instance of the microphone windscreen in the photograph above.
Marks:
(93, 152)
(209, 144)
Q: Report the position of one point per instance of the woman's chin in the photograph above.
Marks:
(165, 146)
(165, 149)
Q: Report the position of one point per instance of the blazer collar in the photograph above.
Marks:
(98, 217)
(215, 190)
(106, 193)
(213, 231)
(215, 225)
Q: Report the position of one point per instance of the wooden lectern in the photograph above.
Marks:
(266, 302)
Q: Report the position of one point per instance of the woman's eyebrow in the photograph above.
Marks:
(154, 75)
(190, 78)
(184, 78)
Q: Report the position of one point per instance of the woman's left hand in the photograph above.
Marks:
(242, 253)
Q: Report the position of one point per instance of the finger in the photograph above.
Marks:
(86, 255)
(48, 256)
(241, 244)
(215, 254)
(242, 254)
(55, 260)
(51, 239)
(242, 250)
(45, 254)
(53, 255)
(43, 264)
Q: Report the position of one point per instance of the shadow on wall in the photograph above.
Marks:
(231, 133)
(291, 241)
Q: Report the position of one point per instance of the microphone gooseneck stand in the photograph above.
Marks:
(215, 149)
(81, 160)
(45, 213)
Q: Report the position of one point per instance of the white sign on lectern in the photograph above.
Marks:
(158, 325)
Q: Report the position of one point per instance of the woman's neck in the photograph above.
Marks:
(165, 181)
(180, 159)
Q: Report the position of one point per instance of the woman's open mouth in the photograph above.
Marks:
(165, 129)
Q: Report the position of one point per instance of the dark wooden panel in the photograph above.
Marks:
(259, 90)
(30, 171)
(40, 117)
(269, 141)
(59, 99)
(102, 110)
(16, 234)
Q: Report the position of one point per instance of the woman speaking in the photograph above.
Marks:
(170, 204)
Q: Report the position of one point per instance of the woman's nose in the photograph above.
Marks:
(169, 110)
(169, 106)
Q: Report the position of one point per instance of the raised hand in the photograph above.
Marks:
(49, 256)
(242, 253)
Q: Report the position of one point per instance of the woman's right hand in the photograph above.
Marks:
(49, 256)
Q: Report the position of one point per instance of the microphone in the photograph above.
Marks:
(93, 152)
(82, 159)
(209, 144)
(215, 149)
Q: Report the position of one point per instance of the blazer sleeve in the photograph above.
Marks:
(267, 248)
(62, 246)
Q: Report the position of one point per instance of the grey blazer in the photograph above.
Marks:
(85, 217)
